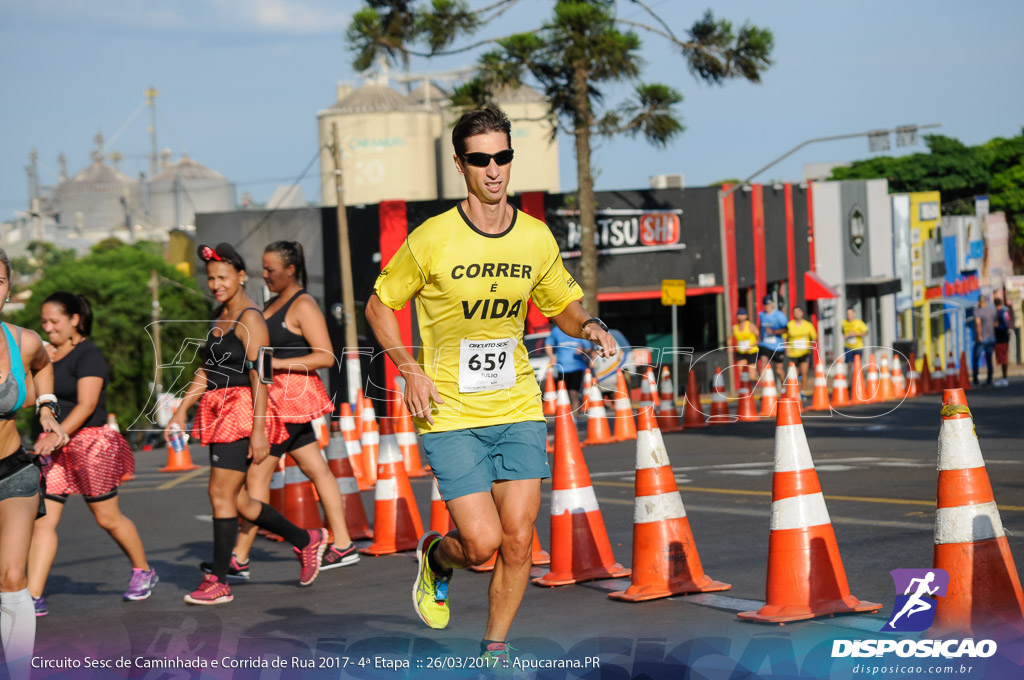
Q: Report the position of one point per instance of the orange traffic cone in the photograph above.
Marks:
(396, 518)
(899, 384)
(806, 578)
(353, 446)
(984, 591)
(668, 415)
(584, 393)
(938, 376)
(965, 376)
(300, 503)
(625, 426)
(580, 549)
(358, 408)
(926, 386)
(858, 394)
(550, 395)
(440, 518)
(665, 559)
(598, 431)
(322, 431)
(745, 410)
(719, 402)
(405, 435)
(341, 466)
(871, 390)
(769, 394)
(885, 386)
(912, 377)
(840, 387)
(179, 461)
(648, 389)
(791, 387)
(370, 439)
(692, 415)
(819, 400)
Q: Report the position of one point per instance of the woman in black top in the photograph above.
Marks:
(297, 398)
(231, 420)
(97, 457)
(21, 357)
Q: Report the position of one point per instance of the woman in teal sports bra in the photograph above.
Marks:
(21, 355)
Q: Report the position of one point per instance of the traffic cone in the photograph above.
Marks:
(719, 402)
(965, 376)
(584, 393)
(652, 379)
(179, 462)
(396, 518)
(300, 504)
(769, 394)
(871, 391)
(370, 439)
(405, 435)
(885, 387)
(745, 411)
(341, 466)
(791, 388)
(858, 394)
(598, 431)
(580, 549)
(540, 556)
(899, 384)
(984, 592)
(358, 408)
(840, 387)
(952, 376)
(322, 431)
(926, 386)
(938, 376)
(806, 578)
(353, 446)
(440, 518)
(692, 415)
(819, 400)
(647, 390)
(668, 414)
(550, 394)
(625, 426)
(912, 378)
(665, 559)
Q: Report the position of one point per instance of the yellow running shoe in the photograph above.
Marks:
(430, 591)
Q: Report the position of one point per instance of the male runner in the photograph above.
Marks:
(472, 392)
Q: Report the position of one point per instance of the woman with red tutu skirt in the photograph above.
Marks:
(232, 420)
(298, 334)
(25, 371)
(97, 457)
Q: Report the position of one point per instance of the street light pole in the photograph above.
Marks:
(353, 370)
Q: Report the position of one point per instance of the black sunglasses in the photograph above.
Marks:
(482, 160)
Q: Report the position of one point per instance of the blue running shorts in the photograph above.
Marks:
(468, 461)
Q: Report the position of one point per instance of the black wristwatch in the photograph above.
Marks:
(52, 405)
(594, 319)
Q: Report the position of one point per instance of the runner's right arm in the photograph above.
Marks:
(419, 389)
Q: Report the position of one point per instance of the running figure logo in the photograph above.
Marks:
(915, 609)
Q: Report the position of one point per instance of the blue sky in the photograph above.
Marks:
(241, 82)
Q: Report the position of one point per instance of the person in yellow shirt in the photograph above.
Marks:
(800, 336)
(471, 391)
(744, 340)
(854, 332)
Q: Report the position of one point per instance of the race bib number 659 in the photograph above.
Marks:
(486, 365)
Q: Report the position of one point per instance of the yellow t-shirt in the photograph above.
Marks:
(471, 293)
(799, 335)
(745, 339)
(855, 326)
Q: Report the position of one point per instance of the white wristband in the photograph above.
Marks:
(45, 397)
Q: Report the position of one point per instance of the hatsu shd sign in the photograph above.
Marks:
(625, 230)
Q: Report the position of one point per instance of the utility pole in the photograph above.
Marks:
(353, 371)
(154, 287)
(151, 94)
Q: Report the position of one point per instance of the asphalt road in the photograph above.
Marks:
(877, 471)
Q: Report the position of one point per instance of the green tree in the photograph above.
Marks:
(572, 57)
(115, 279)
(960, 173)
(41, 257)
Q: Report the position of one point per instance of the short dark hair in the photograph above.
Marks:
(224, 252)
(74, 304)
(478, 122)
(290, 253)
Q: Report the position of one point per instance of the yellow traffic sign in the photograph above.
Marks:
(673, 292)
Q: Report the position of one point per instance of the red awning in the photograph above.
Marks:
(815, 288)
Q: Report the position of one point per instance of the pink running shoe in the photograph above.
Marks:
(311, 555)
(210, 591)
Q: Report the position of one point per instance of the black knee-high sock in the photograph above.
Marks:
(271, 520)
(225, 530)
